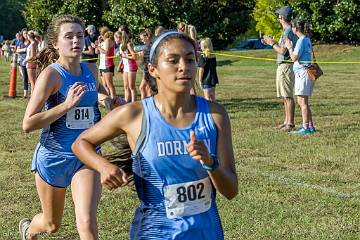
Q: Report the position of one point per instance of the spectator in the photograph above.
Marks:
(285, 77)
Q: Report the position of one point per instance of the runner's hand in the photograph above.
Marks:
(198, 150)
(112, 176)
(74, 95)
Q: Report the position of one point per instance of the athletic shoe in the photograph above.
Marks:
(312, 130)
(302, 132)
(24, 225)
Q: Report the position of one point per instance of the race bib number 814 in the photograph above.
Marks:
(80, 118)
(186, 199)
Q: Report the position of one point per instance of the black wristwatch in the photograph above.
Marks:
(213, 166)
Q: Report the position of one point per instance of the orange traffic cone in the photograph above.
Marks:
(12, 85)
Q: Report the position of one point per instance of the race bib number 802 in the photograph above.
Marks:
(186, 199)
(80, 118)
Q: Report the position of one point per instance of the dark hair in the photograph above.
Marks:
(302, 26)
(49, 54)
(147, 32)
(154, 62)
(22, 39)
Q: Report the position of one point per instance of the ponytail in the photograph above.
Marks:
(45, 57)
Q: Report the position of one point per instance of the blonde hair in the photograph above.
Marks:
(109, 35)
(191, 31)
(182, 26)
(207, 47)
(104, 30)
(159, 30)
(31, 34)
(49, 54)
(125, 39)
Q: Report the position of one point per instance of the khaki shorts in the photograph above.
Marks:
(285, 80)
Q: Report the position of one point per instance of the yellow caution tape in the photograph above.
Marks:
(275, 60)
(241, 56)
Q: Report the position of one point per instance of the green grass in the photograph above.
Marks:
(290, 187)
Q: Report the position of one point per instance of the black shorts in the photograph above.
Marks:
(107, 70)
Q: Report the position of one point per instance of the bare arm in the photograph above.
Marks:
(132, 54)
(47, 84)
(270, 41)
(125, 119)
(32, 53)
(201, 73)
(90, 51)
(289, 45)
(224, 177)
(20, 50)
(106, 47)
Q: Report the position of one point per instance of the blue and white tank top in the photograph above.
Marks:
(59, 136)
(177, 198)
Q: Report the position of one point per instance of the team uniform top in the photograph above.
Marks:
(59, 136)
(177, 198)
(107, 60)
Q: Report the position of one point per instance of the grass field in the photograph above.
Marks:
(290, 187)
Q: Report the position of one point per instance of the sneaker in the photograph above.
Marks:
(302, 132)
(312, 130)
(24, 225)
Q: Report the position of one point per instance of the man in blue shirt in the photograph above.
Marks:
(285, 77)
(89, 47)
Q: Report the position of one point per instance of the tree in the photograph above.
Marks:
(11, 18)
(264, 15)
(220, 20)
(39, 13)
(331, 20)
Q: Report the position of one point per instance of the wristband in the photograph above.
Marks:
(213, 166)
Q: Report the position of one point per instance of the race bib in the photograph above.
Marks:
(80, 118)
(186, 199)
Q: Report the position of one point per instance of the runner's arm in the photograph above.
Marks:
(49, 83)
(224, 177)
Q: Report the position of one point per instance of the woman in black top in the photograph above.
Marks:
(207, 70)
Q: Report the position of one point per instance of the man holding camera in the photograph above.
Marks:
(285, 77)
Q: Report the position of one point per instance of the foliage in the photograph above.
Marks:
(331, 20)
(220, 20)
(266, 21)
(137, 15)
(11, 19)
(39, 13)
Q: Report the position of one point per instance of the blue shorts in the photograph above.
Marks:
(208, 86)
(56, 169)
